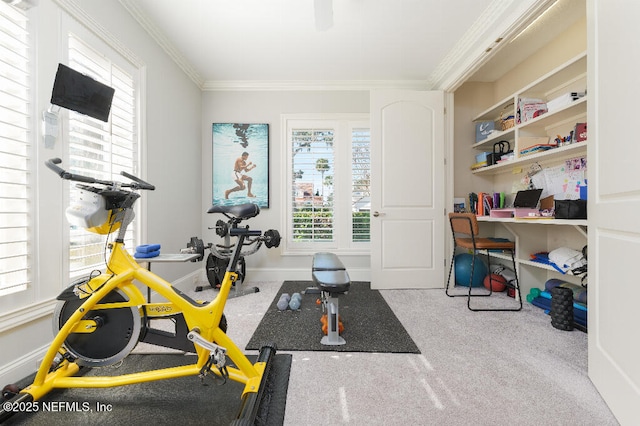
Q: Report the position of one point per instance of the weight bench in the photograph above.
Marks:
(332, 279)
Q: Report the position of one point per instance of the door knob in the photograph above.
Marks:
(376, 214)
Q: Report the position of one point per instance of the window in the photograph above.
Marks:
(98, 149)
(312, 157)
(328, 169)
(15, 151)
(360, 184)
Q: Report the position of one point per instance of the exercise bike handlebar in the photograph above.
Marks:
(235, 232)
(52, 164)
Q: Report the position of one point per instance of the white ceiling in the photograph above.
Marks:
(277, 40)
(246, 43)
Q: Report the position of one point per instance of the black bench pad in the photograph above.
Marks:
(329, 274)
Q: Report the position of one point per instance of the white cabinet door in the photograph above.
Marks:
(614, 204)
(407, 189)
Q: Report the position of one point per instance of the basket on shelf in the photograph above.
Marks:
(507, 122)
(506, 119)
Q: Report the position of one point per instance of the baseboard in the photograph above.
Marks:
(22, 367)
(254, 275)
(265, 274)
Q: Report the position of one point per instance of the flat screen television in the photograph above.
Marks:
(81, 93)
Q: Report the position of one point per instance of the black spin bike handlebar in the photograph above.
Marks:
(137, 184)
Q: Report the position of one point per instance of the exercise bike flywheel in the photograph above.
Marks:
(116, 334)
(217, 267)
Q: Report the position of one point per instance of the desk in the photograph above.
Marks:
(534, 220)
(166, 258)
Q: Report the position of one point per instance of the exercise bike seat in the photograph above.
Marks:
(241, 211)
(329, 274)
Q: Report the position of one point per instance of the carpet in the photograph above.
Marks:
(185, 400)
(369, 323)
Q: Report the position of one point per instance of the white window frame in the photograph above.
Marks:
(13, 295)
(343, 125)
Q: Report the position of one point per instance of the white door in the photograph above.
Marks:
(407, 189)
(614, 205)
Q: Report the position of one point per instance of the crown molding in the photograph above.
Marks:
(499, 22)
(312, 85)
(163, 41)
(77, 13)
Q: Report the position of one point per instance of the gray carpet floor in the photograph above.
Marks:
(480, 368)
(475, 368)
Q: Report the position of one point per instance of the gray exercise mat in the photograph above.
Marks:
(369, 323)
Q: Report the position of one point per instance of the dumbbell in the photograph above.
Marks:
(283, 303)
(295, 302)
(325, 324)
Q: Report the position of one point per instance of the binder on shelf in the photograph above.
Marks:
(473, 202)
(487, 202)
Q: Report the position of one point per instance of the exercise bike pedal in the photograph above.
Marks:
(217, 356)
(206, 371)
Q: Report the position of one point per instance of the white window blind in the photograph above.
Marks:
(328, 174)
(360, 184)
(312, 190)
(15, 164)
(98, 149)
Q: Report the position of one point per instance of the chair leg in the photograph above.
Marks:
(516, 284)
(516, 280)
(446, 289)
(467, 295)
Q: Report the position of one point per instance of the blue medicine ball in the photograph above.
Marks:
(463, 270)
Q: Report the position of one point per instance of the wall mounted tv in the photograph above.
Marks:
(81, 93)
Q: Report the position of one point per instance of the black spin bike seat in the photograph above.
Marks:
(241, 211)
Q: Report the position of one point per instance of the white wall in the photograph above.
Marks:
(267, 107)
(172, 132)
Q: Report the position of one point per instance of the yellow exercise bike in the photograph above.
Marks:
(100, 319)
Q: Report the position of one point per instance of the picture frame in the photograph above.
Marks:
(240, 164)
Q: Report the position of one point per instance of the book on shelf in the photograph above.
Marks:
(479, 165)
(537, 148)
(473, 202)
(580, 132)
(530, 108)
(487, 201)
